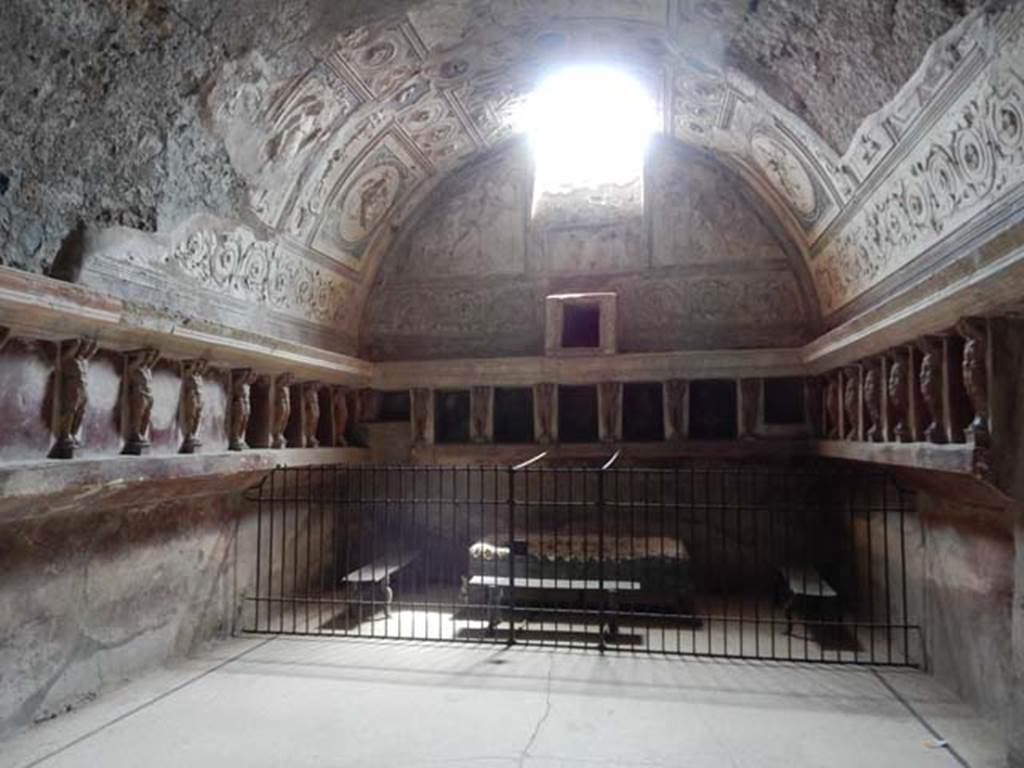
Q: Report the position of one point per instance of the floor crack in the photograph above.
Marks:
(543, 718)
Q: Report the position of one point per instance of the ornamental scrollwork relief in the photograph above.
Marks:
(257, 270)
(973, 158)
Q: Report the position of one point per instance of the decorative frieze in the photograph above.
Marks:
(972, 158)
(238, 264)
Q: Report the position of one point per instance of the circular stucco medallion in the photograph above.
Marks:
(367, 202)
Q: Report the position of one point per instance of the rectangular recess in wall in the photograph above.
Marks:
(581, 325)
(513, 415)
(451, 416)
(784, 401)
(642, 412)
(577, 414)
(394, 406)
(713, 409)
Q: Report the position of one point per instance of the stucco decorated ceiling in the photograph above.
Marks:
(337, 157)
(274, 152)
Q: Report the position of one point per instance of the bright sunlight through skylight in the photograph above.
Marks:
(589, 126)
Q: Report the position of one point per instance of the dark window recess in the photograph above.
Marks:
(394, 406)
(581, 325)
(713, 409)
(513, 415)
(293, 429)
(325, 427)
(783, 401)
(642, 419)
(451, 417)
(577, 414)
(257, 433)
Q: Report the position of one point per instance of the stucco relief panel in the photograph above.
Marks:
(437, 129)
(645, 11)
(477, 228)
(239, 264)
(611, 247)
(699, 215)
(273, 127)
(378, 59)
(364, 200)
(970, 160)
(672, 311)
(453, 310)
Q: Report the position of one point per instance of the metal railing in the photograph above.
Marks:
(737, 560)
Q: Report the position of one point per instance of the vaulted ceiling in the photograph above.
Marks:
(320, 128)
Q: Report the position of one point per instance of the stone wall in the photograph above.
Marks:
(968, 586)
(700, 268)
(95, 596)
(959, 552)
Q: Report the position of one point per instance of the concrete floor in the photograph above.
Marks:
(322, 702)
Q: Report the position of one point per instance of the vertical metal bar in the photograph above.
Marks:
(269, 603)
(772, 548)
(708, 556)
(600, 557)
(346, 516)
(402, 543)
(662, 558)
(321, 540)
(361, 506)
(295, 549)
(806, 560)
(787, 522)
(259, 555)
(284, 543)
(691, 565)
(512, 556)
(335, 554)
(871, 571)
(885, 564)
(309, 542)
(753, 512)
(439, 537)
(739, 545)
(848, 502)
(724, 594)
(903, 575)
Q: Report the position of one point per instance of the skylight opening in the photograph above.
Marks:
(589, 126)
